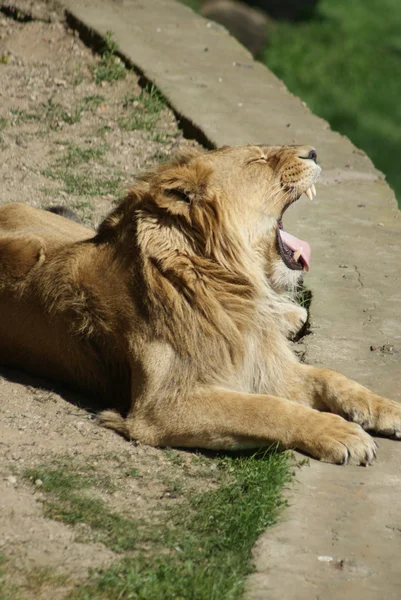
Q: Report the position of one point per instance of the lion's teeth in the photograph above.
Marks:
(297, 254)
(313, 189)
(309, 193)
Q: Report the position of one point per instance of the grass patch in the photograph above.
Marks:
(194, 4)
(70, 169)
(115, 531)
(173, 456)
(23, 116)
(76, 155)
(210, 541)
(136, 473)
(199, 549)
(83, 185)
(68, 503)
(7, 591)
(104, 129)
(40, 578)
(94, 101)
(110, 66)
(304, 297)
(35, 581)
(50, 112)
(144, 110)
(54, 113)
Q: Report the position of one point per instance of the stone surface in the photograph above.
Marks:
(341, 536)
(340, 539)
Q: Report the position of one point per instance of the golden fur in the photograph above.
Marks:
(177, 311)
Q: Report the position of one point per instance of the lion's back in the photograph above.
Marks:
(21, 218)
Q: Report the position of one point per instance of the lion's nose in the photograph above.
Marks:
(313, 155)
(310, 153)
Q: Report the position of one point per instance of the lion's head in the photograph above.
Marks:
(260, 183)
(232, 200)
(211, 224)
(204, 240)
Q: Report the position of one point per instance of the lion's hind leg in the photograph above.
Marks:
(19, 254)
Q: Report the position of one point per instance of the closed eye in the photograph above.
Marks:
(260, 159)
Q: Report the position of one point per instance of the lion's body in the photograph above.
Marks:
(47, 342)
(172, 312)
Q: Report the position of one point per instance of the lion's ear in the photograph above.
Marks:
(178, 187)
(184, 155)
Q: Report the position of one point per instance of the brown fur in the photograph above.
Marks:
(177, 311)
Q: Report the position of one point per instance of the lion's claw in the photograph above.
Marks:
(338, 441)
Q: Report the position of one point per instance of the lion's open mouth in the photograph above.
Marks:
(294, 252)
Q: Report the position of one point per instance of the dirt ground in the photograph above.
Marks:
(67, 139)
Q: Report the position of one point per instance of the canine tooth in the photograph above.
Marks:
(309, 193)
(297, 254)
(313, 189)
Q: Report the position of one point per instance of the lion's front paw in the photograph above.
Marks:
(295, 320)
(332, 439)
(386, 418)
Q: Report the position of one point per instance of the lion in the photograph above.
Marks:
(176, 312)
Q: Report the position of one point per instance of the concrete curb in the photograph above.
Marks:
(341, 536)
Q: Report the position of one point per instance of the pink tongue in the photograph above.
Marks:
(295, 244)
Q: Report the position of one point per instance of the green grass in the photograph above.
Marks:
(110, 67)
(93, 101)
(194, 4)
(70, 170)
(199, 549)
(77, 155)
(304, 297)
(346, 64)
(7, 592)
(82, 183)
(23, 116)
(144, 111)
(50, 112)
(35, 580)
(173, 456)
(54, 112)
(68, 503)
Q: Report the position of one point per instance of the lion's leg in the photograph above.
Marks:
(19, 253)
(328, 390)
(223, 419)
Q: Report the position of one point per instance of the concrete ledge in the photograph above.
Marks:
(351, 515)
